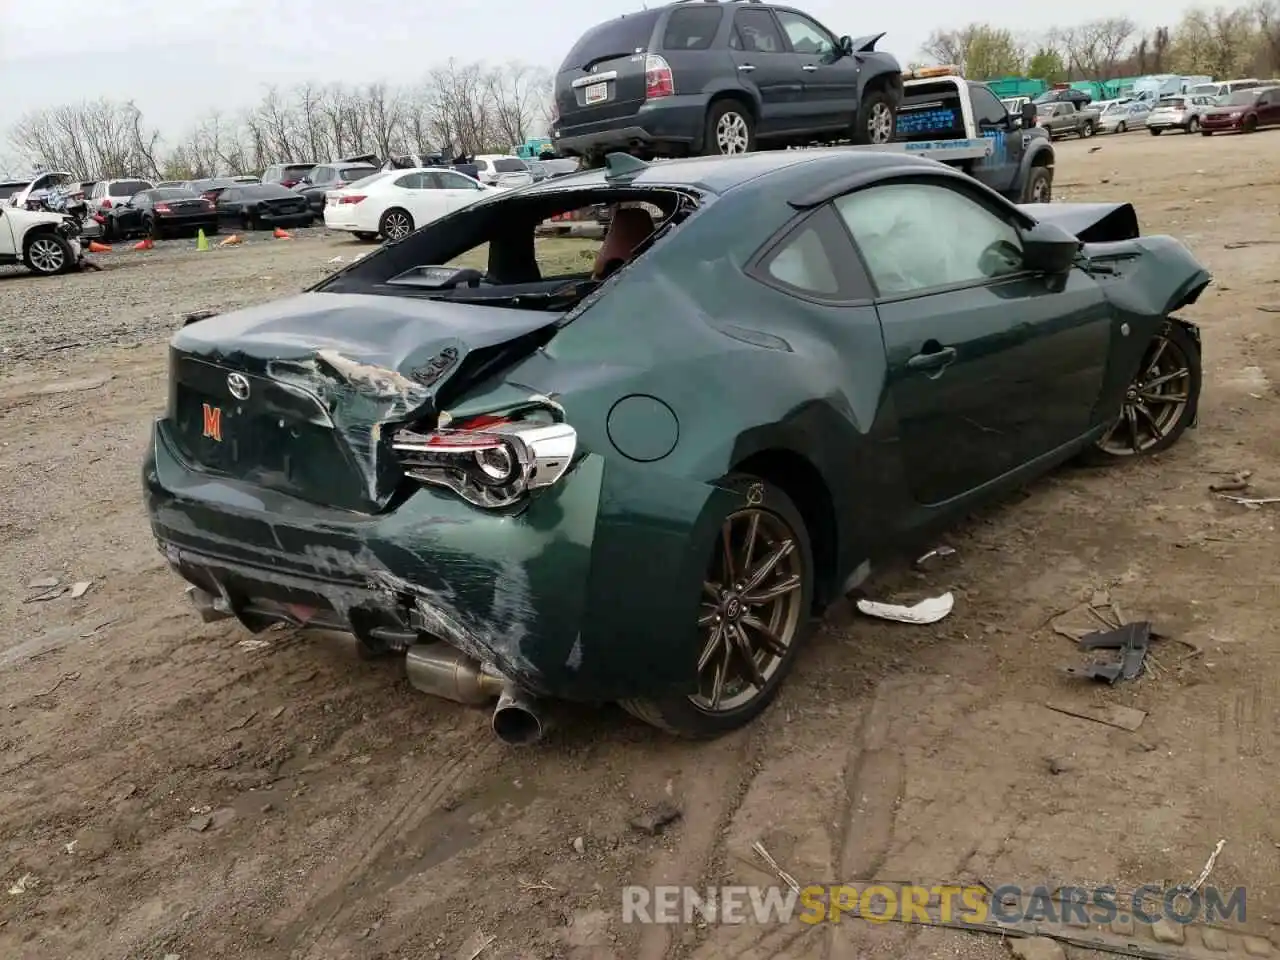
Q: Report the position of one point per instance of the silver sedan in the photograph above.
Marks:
(1120, 117)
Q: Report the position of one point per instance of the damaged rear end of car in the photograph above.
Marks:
(312, 469)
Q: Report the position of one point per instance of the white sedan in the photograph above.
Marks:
(392, 204)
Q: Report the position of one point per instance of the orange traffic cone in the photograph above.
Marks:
(281, 234)
(96, 247)
(231, 241)
(147, 244)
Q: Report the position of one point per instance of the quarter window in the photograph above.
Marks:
(691, 28)
(416, 181)
(920, 236)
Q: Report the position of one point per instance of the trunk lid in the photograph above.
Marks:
(603, 77)
(297, 395)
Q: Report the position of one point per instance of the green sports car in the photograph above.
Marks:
(639, 479)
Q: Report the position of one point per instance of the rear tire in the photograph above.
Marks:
(1206, 133)
(702, 715)
(1193, 125)
(1038, 187)
(1121, 128)
(1154, 131)
(1250, 125)
(396, 224)
(365, 235)
(731, 130)
(154, 230)
(1086, 131)
(876, 121)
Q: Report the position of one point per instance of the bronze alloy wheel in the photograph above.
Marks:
(755, 601)
(751, 609)
(1159, 402)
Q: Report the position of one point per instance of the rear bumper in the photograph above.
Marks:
(591, 593)
(286, 219)
(207, 221)
(678, 121)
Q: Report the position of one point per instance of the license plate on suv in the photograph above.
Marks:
(596, 93)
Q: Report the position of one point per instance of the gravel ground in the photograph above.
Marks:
(169, 788)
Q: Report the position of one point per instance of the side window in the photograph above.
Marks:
(986, 108)
(755, 32)
(455, 181)
(805, 35)
(692, 28)
(230, 195)
(415, 181)
(481, 164)
(920, 236)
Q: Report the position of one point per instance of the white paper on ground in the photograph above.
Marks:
(926, 611)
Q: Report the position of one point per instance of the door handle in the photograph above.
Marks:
(936, 359)
(809, 68)
(746, 68)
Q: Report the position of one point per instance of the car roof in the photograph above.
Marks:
(722, 174)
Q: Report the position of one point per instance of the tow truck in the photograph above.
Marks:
(963, 124)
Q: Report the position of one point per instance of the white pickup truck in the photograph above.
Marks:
(47, 243)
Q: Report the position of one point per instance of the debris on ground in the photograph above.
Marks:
(930, 610)
(1112, 715)
(80, 588)
(579, 845)
(474, 946)
(1238, 481)
(24, 883)
(660, 816)
(1037, 948)
(1253, 503)
(785, 877)
(200, 823)
(1131, 642)
(929, 560)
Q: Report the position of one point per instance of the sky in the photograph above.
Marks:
(178, 60)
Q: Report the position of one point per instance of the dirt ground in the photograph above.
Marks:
(173, 788)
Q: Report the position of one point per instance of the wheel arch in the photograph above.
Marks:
(887, 80)
(797, 477)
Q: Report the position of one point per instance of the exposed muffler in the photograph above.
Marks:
(444, 671)
(210, 608)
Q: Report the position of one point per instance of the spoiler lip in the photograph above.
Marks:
(1090, 222)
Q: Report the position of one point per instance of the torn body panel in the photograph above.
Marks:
(1145, 281)
(324, 377)
(551, 596)
(1091, 222)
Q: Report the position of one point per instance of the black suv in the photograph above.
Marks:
(702, 77)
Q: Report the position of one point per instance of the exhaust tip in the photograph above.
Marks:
(207, 605)
(515, 721)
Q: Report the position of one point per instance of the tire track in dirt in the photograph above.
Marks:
(309, 929)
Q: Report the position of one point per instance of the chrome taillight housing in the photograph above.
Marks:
(489, 461)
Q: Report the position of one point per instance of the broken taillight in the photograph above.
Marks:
(658, 79)
(488, 461)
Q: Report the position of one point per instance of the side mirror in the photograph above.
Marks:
(1028, 114)
(1047, 248)
(846, 46)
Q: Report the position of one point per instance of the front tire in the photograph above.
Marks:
(48, 253)
(876, 119)
(757, 597)
(1121, 128)
(1193, 125)
(1161, 401)
(730, 130)
(365, 235)
(1250, 125)
(396, 224)
(1155, 132)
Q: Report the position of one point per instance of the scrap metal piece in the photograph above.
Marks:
(1131, 640)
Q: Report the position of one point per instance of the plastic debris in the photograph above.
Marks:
(930, 610)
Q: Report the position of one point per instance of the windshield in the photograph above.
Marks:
(1241, 98)
(509, 165)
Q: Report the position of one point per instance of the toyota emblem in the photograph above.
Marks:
(238, 384)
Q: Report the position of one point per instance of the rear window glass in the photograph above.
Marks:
(616, 38)
(264, 191)
(1171, 102)
(127, 188)
(691, 28)
(296, 170)
(355, 173)
(172, 193)
(509, 165)
(371, 179)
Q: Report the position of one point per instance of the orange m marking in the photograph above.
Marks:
(213, 423)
